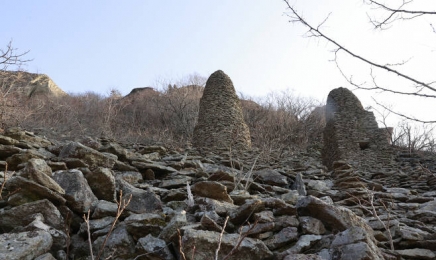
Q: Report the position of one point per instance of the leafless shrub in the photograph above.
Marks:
(414, 137)
(282, 120)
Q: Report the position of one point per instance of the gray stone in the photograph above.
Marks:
(46, 256)
(104, 209)
(271, 177)
(311, 225)
(6, 140)
(59, 237)
(38, 171)
(350, 236)
(8, 150)
(211, 189)
(25, 191)
(417, 253)
(119, 241)
(156, 168)
(176, 182)
(244, 212)
(102, 183)
(299, 185)
(77, 191)
(290, 197)
(170, 231)
(141, 225)
(116, 149)
(357, 251)
(91, 157)
(25, 245)
(142, 201)
(333, 217)
(304, 242)
(23, 215)
(206, 243)
(154, 248)
(15, 161)
(285, 236)
(302, 257)
(131, 177)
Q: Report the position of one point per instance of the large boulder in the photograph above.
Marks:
(77, 191)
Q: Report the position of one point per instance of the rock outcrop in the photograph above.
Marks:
(352, 133)
(220, 120)
(28, 84)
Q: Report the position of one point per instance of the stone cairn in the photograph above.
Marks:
(352, 133)
(220, 121)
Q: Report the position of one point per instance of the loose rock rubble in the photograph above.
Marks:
(190, 205)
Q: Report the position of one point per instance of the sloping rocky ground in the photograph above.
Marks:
(287, 206)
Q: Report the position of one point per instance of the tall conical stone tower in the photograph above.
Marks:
(220, 121)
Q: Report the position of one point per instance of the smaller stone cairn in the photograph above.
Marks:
(220, 121)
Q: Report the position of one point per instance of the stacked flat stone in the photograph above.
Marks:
(352, 133)
(220, 121)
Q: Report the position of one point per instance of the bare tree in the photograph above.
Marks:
(415, 87)
(10, 58)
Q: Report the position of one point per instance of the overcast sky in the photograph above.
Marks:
(100, 45)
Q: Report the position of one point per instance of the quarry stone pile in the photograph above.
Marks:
(149, 202)
(220, 120)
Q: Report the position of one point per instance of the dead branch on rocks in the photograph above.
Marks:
(122, 204)
(182, 254)
(5, 178)
(221, 238)
(242, 236)
(368, 206)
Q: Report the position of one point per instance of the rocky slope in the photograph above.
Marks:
(243, 206)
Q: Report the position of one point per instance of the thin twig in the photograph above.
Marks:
(122, 204)
(221, 238)
(86, 218)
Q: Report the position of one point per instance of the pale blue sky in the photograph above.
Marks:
(103, 44)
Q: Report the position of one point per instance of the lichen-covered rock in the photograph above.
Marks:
(102, 183)
(38, 171)
(206, 243)
(23, 215)
(25, 245)
(154, 248)
(91, 157)
(142, 201)
(24, 191)
(220, 120)
(77, 191)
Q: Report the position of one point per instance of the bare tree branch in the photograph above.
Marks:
(316, 32)
(10, 57)
(404, 116)
(395, 13)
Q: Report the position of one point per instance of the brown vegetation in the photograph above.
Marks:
(167, 115)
